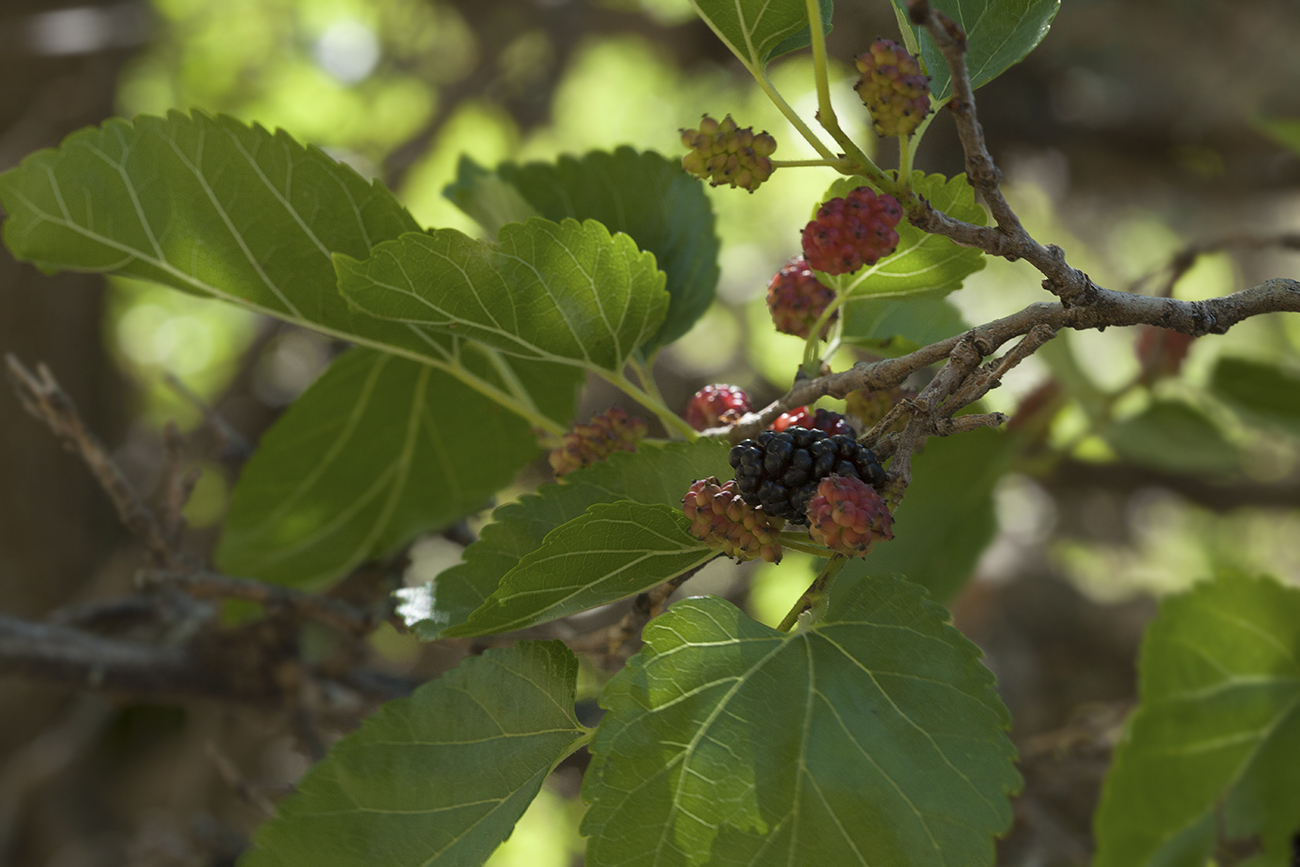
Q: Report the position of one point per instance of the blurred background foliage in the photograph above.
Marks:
(1137, 128)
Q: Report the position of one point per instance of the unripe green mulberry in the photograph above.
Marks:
(722, 153)
(721, 518)
(612, 431)
(893, 88)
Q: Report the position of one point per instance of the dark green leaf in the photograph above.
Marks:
(644, 195)
(1263, 393)
(565, 293)
(897, 326)
(652, 474)
(947, 517)
(362, 463)
(875, 737)
(758, 31)
(1174, 437)
(614, 551)
(922, 263)
(217, 208)
(438, 779)
(1000, 32)
(1217, 730)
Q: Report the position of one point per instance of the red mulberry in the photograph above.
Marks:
(716, 404)
(852, 231)
(612, 431)
(848, 516)
(796, 299)
(721, 518)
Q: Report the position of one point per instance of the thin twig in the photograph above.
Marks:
(990, 376)
(42, 396)
(247, 791)
(210, 585)
(231, 444)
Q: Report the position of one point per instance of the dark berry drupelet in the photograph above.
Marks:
(779, 471)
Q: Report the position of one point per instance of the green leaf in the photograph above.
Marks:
(947, 517)
(1283, 130)
(875, 737)
(614, 551)
(1000, 33)
(758, 31)
(922, 263)
(897, 326)
(652, 474)
(438, 779)
(1263, 393)
(644, 195)
(217, 208)
(1217, 730)
(565, 292)
(365, 460)
(1174, 437)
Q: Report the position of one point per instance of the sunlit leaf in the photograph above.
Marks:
(652, 474)
(613, 551)
(221, 209)
(896, 326)
(874, 737)
(564, 292)
(1264, 393)
(644, 195)
(1000, 32)
(438, 779)
(365, 460)
(1175, 437)
(947, 518)
(758, 31)
(922, 263)
(1215, 738)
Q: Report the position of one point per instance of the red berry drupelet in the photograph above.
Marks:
(830, 423)
(852, 231)
(721, 518)
(848, 516)
(609, 432)
(797, 299)
(893, 88)
(716, 404)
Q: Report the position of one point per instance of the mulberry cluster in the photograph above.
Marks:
(722, 153)
(893, 88)
(830, 423)
(797, 299)
(716, 404)
(852, 231)
(780, 471)
(720, 517)
(612, 431)
(848, 516)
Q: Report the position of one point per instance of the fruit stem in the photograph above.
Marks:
(810, 349)
(815, 596)
(652, 402)
(800, 542)
(791, 115)
(838, 164)
(826, 112)
(905, 155)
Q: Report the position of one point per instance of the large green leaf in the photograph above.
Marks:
(1175, 437)
(1264, 393)
(438, 779)
(922, 263)
(644, 195)
(758, 31)
(613, 551)
(897, 326)
(567, 293)
(362, 463)
(652, 474)
(947, 518)
(875, 737)
(1217, 733)
(1000, 32)
(217, 208)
